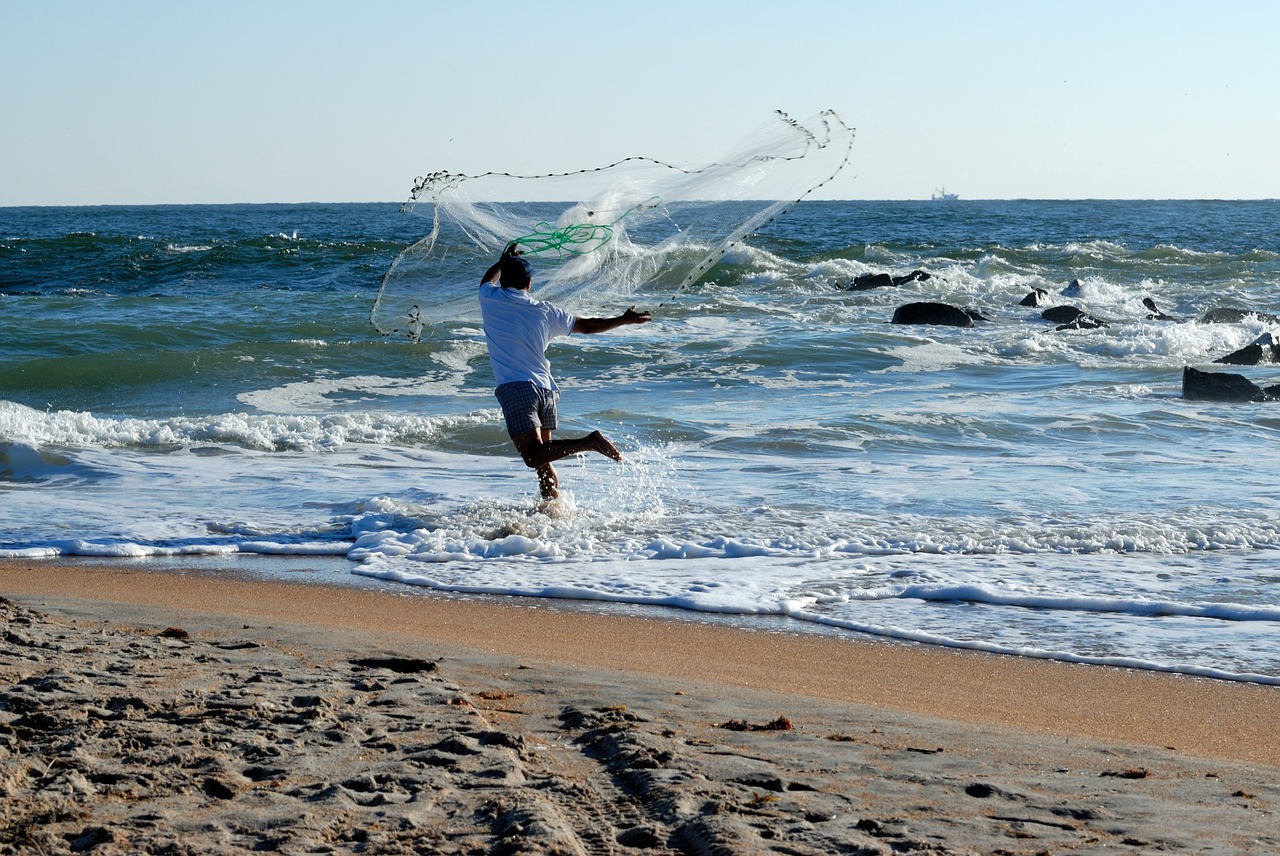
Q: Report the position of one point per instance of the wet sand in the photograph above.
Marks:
(167, 712)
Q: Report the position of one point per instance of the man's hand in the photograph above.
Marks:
(631, 316)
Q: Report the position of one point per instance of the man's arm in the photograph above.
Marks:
(603, 325)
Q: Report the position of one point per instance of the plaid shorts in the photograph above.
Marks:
(527, 407)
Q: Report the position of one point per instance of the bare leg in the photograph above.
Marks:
(539, 451)
(548, 481)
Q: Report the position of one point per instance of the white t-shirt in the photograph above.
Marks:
(518, 330)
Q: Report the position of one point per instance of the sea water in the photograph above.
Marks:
(186, 382)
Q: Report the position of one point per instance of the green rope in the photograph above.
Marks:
(576, 239)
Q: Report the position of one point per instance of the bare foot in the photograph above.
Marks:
(602, 445)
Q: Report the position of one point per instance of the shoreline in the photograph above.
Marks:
(1197, 716)
(146, 711)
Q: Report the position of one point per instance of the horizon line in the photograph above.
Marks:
(940, 203)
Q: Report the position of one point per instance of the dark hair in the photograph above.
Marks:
(516, 272)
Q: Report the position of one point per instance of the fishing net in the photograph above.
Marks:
(597, 237)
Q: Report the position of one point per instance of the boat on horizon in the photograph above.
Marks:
(941, 195)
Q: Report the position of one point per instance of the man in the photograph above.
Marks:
(518, 329)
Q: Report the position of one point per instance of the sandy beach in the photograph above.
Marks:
(168, 712)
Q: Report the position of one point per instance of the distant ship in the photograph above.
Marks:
(941, 195)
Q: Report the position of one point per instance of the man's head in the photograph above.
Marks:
(516, 272)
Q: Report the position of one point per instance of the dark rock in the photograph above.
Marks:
(868, 281)
(932, 313)
(1084, 322)
(1035, 298)
(975, 315)
(1226, 315)
(1073, 289)
(1219, 386)
(1222, 315)
(1071, 318)
(914, 276)
(1156, 314)
(1062, 314)
(1263, 351)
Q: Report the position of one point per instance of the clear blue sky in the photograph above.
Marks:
(280, 101)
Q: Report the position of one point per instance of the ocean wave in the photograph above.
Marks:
(21, 463)
(131, 263)
(128, 549)
(972, 593)
(264, 432)
(1064, 654)
(469, 534)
